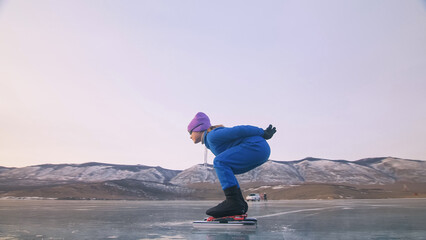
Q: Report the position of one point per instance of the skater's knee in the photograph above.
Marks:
(218, 163)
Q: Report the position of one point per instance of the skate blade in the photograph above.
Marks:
(248, 223)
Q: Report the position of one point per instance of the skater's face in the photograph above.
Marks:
(196, 137)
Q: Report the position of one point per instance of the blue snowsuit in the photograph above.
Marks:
(238, 150)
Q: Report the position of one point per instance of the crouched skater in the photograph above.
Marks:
(238, 150)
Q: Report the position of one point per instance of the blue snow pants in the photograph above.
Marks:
(240, 159)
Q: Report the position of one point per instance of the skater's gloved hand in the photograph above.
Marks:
(269, 132)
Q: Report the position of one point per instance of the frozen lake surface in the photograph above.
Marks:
(295, 219)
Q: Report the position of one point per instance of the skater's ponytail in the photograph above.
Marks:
(213, 127)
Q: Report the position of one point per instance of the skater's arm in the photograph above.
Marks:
(229, 134)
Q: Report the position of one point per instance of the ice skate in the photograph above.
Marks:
(231, 213)
(235, 221)
(234, 204)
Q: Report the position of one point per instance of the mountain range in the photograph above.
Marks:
(112, 181)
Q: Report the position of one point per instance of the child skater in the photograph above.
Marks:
(238, 150)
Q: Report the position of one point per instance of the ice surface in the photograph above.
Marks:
(295, 219)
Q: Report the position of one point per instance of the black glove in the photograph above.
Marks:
(269, 132)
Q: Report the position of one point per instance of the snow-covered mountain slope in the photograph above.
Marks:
(273, 172)
(309, 170)
(196, 174)
(314, 170)
(400, 169)
(89, 172)
(327, 171)
(4, 169)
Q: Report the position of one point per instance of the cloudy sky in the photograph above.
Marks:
(119, 81)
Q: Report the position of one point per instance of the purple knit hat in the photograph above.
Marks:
(200, 123)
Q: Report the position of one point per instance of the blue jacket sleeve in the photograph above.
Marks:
(230, 134)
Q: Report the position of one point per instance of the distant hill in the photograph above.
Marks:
(315, 170)
(111, 181)
(88, 172)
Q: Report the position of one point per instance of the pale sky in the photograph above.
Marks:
(119, 81)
